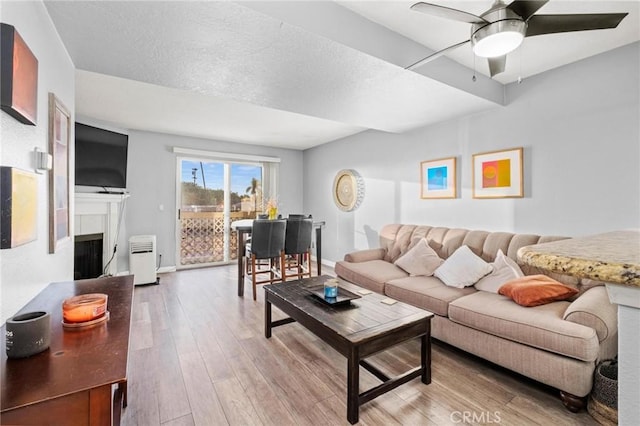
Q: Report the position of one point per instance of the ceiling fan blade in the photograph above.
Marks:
(526, 8)
(447, 13)
(436, 55)
(497, 64)
(549, 24)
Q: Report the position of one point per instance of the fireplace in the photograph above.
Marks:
(87, 262)
(100, 213)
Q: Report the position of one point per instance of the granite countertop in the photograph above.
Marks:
(613, 257)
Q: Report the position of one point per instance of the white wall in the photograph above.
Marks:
(580, 131)
(151, 180)
(25, 270)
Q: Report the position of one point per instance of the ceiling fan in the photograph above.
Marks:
(502, 28)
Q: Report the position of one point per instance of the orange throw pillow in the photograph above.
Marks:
(534, 290)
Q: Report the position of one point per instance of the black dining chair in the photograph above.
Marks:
(259, 216)
(296, 257)
(248, 242)
(298, 216)
(267, 242)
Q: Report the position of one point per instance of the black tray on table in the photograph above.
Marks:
(344, 296)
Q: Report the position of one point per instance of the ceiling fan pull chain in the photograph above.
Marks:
(474, 68)
(520, 54)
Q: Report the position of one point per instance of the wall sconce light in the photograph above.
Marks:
(43, 161)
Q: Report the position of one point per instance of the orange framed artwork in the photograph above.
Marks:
(18, 77)
(498, 174)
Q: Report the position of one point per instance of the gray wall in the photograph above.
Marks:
(151, 180)
(27, 269)
(580, 131)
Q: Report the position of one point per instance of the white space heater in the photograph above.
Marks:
(142, 259)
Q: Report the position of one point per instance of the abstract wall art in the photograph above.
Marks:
(18, 207)
(438, 178)
(18, 77)
(498, 174)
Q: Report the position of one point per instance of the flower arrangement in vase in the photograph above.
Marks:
(272, 208)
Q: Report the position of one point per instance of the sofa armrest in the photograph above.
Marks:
(594, 310)
(365, 255)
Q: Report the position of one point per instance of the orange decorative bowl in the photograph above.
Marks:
(85, 307)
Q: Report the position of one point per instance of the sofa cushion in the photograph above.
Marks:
(505, 269)
(541, 326)
(452, 241)
(371, 274)
(462, 268)
(400, 244)
(534, 290)
(496, 241)
(419, 260)
(425, 292)
(475, 241)
(518, 241)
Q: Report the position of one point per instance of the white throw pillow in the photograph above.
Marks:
(505, 269)
(420, 260)
(462, 269)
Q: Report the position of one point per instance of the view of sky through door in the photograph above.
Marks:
(213, 175)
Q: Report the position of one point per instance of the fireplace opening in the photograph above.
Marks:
(87, 262)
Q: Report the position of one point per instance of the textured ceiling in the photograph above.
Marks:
(288, 74)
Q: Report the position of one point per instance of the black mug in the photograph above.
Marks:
(28, 334)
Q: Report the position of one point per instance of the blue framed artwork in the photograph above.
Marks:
(438, 178)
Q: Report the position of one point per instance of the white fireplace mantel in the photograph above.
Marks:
(100, 214)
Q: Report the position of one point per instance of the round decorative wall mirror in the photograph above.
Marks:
(348, 190)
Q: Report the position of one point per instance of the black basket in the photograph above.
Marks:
(603, 403)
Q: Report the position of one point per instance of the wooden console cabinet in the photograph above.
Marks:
(81, 379)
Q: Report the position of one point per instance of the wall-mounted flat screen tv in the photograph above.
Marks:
(101, 157)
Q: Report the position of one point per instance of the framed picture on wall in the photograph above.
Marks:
(18, 207)
(59, 139)
(18, 77)
(438, 178)
(498, 174)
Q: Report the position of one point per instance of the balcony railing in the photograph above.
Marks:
(202, 237)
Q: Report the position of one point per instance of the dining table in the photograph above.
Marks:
(243, 229)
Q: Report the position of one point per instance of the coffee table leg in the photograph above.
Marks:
(425, 355)
(353, 386)
(267, 317)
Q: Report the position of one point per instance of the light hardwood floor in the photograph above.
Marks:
(198, 355)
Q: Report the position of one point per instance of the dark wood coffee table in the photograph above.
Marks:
(357, 330)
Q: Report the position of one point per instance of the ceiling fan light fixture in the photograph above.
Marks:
(498, 38)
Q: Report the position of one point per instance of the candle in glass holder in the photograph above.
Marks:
(331, 288)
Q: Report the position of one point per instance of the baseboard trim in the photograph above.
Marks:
(162, 270)
(325, 262)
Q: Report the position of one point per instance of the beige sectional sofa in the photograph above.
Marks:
(558, 343)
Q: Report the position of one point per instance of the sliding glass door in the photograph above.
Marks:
(211, 195)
